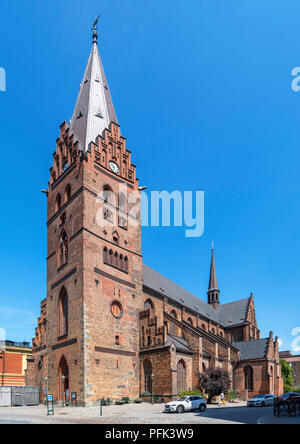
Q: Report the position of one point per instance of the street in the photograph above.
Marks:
(142, 414)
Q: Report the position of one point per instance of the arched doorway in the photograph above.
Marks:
(63, 381)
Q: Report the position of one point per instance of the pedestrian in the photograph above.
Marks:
(222, 400)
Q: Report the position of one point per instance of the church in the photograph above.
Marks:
(110, 325)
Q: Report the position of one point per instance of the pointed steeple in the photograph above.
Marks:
(94, 109)
(213, 291)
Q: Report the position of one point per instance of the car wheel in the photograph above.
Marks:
(180, 409)
(263, 404)
(202, 408)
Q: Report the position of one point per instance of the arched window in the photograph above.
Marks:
(68, 193)
(248, 372)
(148, 305)
(172, 329)
(203, 367)
(121, 262)
(63, 249)
(203, 326)
(116, 260)
(147, 376)
(105, 255)
(110, 257)
(58, 203)
(213, 331)
(181, 376)
(190, 321)
(126, 267)
(63, 313)
(108, 195)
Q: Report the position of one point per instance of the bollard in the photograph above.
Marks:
(101, 412)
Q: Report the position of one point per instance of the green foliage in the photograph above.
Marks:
(190, 393)
(137, 401)
(296, 389)
(231, 395)
(214, 382)
(287, 374)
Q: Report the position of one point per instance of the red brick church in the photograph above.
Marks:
(110, 325)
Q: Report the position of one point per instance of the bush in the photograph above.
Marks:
(231, 395)
(137, 401)
(296, 389)
(190, 393)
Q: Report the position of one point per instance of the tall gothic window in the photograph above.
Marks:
(148, 305)
(181, 376)
(58, 203)
(172, 329)
(63, 249)
(63, 312)
(147, 376)
(248, 372)
(68, 193)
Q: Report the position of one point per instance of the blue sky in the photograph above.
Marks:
(203, 94)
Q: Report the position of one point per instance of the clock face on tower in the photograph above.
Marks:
(114, 167)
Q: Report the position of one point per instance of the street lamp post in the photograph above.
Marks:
(63, 389)
(152, 378)
(46, 386)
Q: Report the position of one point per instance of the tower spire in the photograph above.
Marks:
(213, 290)
(94, 109)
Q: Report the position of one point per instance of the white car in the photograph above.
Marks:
(186, 404)
(261, 401)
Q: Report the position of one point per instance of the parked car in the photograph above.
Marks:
(186, 404)
(261, 401)
(289, 396)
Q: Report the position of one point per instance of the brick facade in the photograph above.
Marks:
(102, 327)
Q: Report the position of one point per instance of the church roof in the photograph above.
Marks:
(253, 349)
(165, 287)
(94, 109)
(227, 314)
(234, 313)
(180, 343)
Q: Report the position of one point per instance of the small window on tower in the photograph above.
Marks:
(117, 341)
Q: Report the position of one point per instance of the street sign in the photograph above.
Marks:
(50, 406)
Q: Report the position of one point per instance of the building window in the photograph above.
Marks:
(116, 309)
(63, 249)
(248, 372)
(63, 313)
(172, 329)
(190, 321)
(117, 341)
(58, 203)
(181, 376)
(68, 193)
(148, 305)
(147, 376)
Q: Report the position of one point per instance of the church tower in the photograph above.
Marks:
(94, 263)
(213, 291)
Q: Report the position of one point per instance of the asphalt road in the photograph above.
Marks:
(244, 415)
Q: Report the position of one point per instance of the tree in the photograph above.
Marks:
(287, 374)
(214, 381)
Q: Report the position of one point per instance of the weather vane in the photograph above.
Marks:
(95, 28)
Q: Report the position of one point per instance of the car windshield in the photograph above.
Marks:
(183, 398)
(259, 396)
